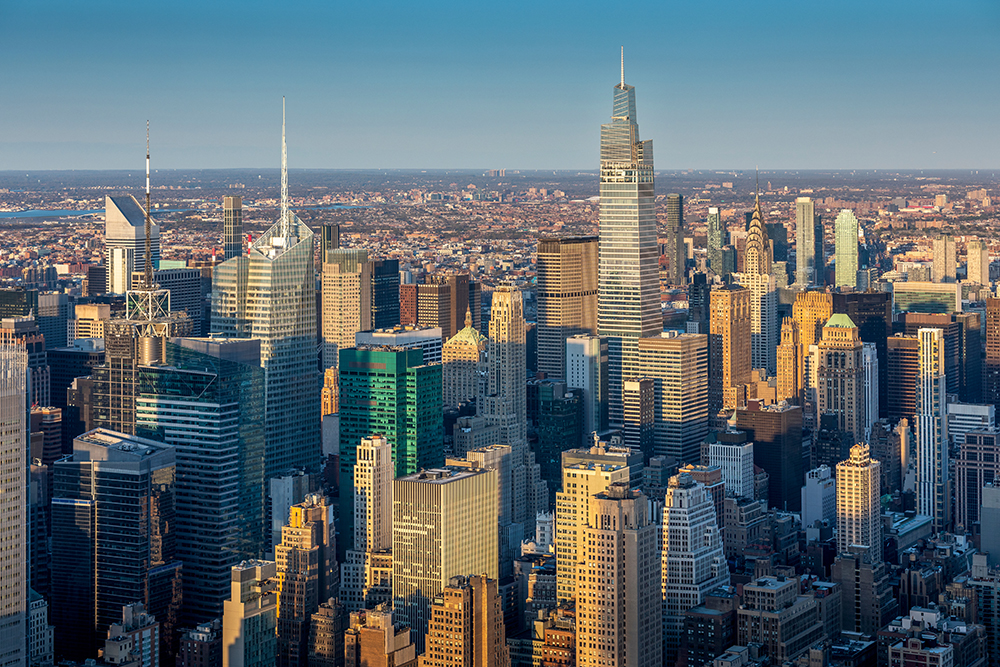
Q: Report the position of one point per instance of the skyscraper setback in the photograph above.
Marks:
(628, 301)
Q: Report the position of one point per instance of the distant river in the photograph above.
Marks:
(62, 213)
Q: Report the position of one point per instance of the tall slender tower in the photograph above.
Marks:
(628, 306)
(790, 363)
(675, 238)
(729, 347)
(932, 430)
(846, 237)
(807, 264)
(758, 278)
(232, 231)
(373, 474)
(859, 506)
(717, 238)
(977, 262)
(270, 293)
(567, 297)
(944, 259)
(13, 520)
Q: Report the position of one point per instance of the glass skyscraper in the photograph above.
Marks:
(270, 294)
(628, 305)
(846, 248)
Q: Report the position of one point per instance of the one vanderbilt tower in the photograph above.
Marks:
(628, 282)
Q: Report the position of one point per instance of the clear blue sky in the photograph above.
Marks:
(784, 84)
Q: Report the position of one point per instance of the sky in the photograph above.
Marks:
(727, 84)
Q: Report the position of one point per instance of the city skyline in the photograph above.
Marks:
(830, 90)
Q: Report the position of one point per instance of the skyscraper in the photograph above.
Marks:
(372, 494)
(567, 297)
(859, 504)
(693, 562)
(466, 625)
(675, 250)
(791, 366)
(251, 616)
(587, 369)
(903, 372)
(464, 365)
(943, 269)
(977, 262)
(808, 240)
(13, 519)
(613, 604)
(729, 346)
(759, 279)
(871, 312)
(717, 239)
(125, 241)
(776, 431)
(444, 522)
(840, 376)
(933, 498)
(270, 294)
(846, 236)
(628, 282)
(347, 307)
(232, 226)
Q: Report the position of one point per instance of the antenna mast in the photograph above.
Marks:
(148, 278)
(285, 231)
(623, 67)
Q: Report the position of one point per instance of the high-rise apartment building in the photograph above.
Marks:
(628, 281)
(567, 297)
(207, 401)
(933, 497)
(776, 432)
(232, 226)
(613, 602)
(678, 365)
(372, 494)
(846, 258)
(444, 522)
(463, 373)
(729, 343)
(674, 247)
(859, 504)
(306, 575)
(693, 562)
(718, 237)
(13, 505)
(809, 263)
(270, 293)
(250, 619)
(113, 537)
(774, 615)
(791, 363)
(903, 354)
(943, 269)
(466, 626)
(977, 262)
(347, 307)
(840, 376)
(587, 369)
(125, 241)
(758, 278)
(374, 640)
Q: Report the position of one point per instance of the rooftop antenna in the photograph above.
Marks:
(757, 187)
(148, 278)
(284, 230)
(623, 67)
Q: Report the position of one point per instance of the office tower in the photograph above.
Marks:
(943, 269)
(870, 372)
(924, 297)
(585, 472)
(41, 635)
(991, 366)
(859, 506)
(567, 297)
(810, 311)
(13, 520)
(840, 376)
(560, 427)
(463, 373)
(710, 628)
(674, 246)
(699, 303)
(329, 394)
(977, 465)
(774, 615)
(409, 337)
(374, 640)
(135, 639)
(867, 600)
(18, 302)
(718, 237)
(346, 298)
(250, 619)
(329, 240)
(846, 258)
(678, 366)
(53, 314)
(270, 294)
(733, 454)
(613, 604)
(88, 321)
(871, 312)
(113, 537)
(68, 363)
(434, 307)
(808, 262)
(232, 226)
(372, 494)
(791, 365)
(777, 233)
(444, 522)
(306, 574)
(408, 294)
(46, 425)
(207, 400)
(460, 301)
(692, 562)
(125, 241)
(776, 432)
(391, 392)
(977, 262)
(587, 369)
(710, 477)
(729, 344)
(932, 430)
(902, 373)
(628, 275)
(185, 290)
(819, 497)
(385, 293)
(962, 351)
(638, 429)
(759, 279)
(23, 332)
(466, 626)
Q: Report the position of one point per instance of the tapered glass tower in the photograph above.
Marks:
(270, 294)
(628, 306)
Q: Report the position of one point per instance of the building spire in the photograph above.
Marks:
(284, 229)
(623, 67)
(468, 316)
(148, 275)
(757, 187)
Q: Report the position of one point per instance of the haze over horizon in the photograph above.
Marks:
(895, 85)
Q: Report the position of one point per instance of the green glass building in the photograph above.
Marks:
(846, 248)
(207, 400)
